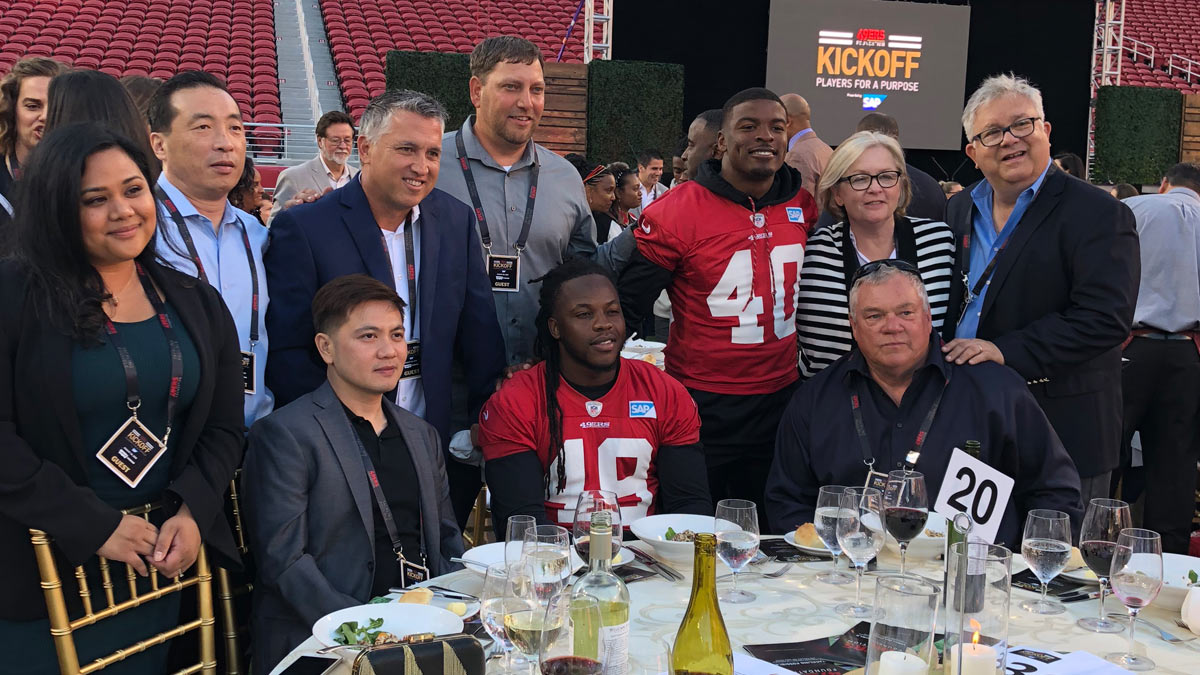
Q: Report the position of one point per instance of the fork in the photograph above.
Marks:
(1164, 635)
(767, 575)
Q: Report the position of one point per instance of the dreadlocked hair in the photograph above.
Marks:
(545, 347)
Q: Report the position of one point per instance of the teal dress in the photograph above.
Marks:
(98, 384)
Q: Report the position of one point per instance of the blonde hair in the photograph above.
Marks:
(10, 89)
(996, 87)
(846, 155)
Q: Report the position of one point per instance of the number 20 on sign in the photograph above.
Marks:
(976, 489)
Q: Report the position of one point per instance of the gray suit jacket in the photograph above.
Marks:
(307, 176)
(308, 511)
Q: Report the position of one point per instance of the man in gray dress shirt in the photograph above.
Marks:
(1161, 377)
(508, 92)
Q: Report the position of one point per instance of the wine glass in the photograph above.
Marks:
(1046, 547)
(1102, 525)
(570, 640)
(1136, 576)
(905, 508)
(861, 535)
(737, 541)
(526, 611)
(514, 536)
(496, 602)
(829, 505)
(589, 502)
(547, 552)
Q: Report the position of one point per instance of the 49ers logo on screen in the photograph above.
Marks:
(619, 465)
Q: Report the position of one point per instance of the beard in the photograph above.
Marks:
(511, 136)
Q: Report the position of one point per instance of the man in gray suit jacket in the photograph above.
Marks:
(320, 538)
(329, 170)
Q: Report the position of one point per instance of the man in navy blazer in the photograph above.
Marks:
(367, 227)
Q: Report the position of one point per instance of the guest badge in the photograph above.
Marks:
(131, 452)
(972, 487)
(248, 380)
(411, 573)
(412, 362)
(504, 272)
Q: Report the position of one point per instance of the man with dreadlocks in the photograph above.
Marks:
(586, 419)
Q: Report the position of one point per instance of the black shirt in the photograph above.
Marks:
(398, 479)
(817, 443)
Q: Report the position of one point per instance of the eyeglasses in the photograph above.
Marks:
(335, 142)
(894, 263)
(993, 137)
(862, 181)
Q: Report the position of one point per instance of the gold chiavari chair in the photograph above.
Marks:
(227, 593)
(62, 627)
(479, 522)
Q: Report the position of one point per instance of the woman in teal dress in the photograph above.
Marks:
(99, 342)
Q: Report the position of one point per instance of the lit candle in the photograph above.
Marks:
(977, 659)
(901, 663)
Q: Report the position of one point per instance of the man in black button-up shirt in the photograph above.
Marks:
(897, 370)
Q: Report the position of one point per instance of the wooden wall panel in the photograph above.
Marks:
(1189, 142)
(563, 128)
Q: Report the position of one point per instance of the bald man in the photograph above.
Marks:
(806, 153)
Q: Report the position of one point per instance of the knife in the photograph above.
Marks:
(653, 563)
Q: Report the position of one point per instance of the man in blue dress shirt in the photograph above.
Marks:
(197, 132)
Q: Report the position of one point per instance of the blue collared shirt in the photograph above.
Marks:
(987, 243)
(793, 139)
(223, 254)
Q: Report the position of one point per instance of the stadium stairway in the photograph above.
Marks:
(308, 86)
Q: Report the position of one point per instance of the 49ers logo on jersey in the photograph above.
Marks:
(620, 465)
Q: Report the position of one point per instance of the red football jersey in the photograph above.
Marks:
(735, 286)
(608, 444)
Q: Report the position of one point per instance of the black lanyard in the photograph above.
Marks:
(410, 266)
(484, 236)
(384, 510)
(186, 235)
(860, 427)
(133, 397)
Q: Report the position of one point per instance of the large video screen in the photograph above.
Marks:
(851, 57)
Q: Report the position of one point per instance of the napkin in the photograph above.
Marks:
(1190, 611)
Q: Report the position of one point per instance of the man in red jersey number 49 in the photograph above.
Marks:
(586, 419)
(728, 247)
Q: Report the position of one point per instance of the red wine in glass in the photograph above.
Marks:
(905, 523)
(571, 665)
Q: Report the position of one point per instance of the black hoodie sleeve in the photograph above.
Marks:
(517, 485)
(639, 286)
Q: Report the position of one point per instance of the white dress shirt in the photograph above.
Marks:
(410, 395)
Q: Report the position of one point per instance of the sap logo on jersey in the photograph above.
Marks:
(795, 214)
(642, 409)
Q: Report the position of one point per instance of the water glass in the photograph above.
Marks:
(1046, 547)
(497, 601)
(514, 536)
(1136, 577)
(1102, 525)
(829, 505)
(547, 553)
(904, 631)
(860, 534)
(737, 542)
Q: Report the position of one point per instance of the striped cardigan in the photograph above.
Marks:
(822, 313)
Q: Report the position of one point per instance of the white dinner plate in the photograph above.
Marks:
(490, 554)
(1083, 575)
(790, 538)
(398, 619)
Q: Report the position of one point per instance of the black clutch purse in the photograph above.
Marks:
(422, 655)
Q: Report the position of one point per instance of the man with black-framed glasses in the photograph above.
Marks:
(1046, 275)
(895, 403)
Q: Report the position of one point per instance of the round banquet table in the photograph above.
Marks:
(795, 607)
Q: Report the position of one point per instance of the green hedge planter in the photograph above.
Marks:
(1137, 134)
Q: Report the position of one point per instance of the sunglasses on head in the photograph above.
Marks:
(895, 263)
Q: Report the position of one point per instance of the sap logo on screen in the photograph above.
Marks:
(872, 101)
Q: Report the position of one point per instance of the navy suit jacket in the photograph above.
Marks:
(312, 244)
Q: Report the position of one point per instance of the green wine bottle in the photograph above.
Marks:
(702, 644)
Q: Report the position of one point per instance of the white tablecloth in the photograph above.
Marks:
(796, 607)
